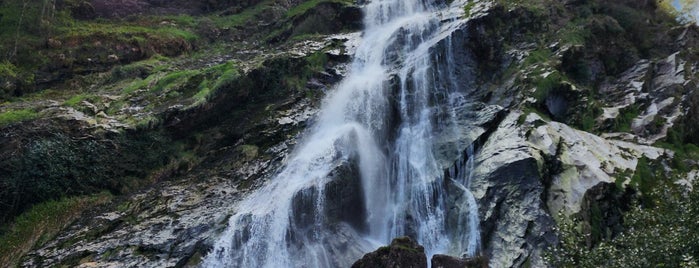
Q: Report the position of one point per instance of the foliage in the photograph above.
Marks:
(40, 223)
(622, 123)
(544, 85)
(663, 234)
(57, 166)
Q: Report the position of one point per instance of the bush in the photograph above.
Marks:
(661, 234)
(40, 223)
(58, 166)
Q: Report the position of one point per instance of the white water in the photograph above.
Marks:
(392, 79)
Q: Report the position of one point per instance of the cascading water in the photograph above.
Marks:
(367, 171)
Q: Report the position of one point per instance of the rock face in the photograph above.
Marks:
(507, 183)
(401, 253)
(543, 139)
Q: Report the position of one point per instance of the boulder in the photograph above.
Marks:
(446, 261)
(403, 252)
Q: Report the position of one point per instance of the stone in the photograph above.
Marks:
(446, 261)
(403, 252)
(515, 225)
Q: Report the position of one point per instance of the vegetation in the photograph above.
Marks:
(58, 166)
(16, 116)
(661, 234)
(468, 8)
(39, 224)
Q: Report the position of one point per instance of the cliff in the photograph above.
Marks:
(130, 131)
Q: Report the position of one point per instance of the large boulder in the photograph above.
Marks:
(446, 261)
(403, 252)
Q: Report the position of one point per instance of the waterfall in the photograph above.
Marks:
(368, 170)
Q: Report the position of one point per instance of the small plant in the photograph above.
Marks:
(468, 8)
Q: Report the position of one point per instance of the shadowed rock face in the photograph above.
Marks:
(402, 253)
(446, 261)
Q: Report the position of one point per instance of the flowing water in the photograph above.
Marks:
(368, 171)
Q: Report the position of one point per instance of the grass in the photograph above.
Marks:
(41, 223)
(73, 101)
(172, 80)
(573, 33)
(538, 56)
(141, 83)
(544, 85)
(305, 6)
(626, 116)
(468, 8)
(224, 74)
(16, 116)
(241, 18)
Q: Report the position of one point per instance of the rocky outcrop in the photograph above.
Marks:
(507, 184)
(401, 253)
(404, 252)
(446, 261)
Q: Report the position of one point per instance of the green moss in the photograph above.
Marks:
(73, 101)
(172, 80)
(16, 116)
(538, 56)
(217, 78)
(141, 83)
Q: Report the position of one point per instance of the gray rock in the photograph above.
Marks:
(515, 225)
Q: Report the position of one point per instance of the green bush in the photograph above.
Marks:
(41, 223)
(662, 234)
(57, 166)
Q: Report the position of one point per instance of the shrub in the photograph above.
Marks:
(41, 223)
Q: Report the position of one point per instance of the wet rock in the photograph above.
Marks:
(446, 261)
(401, 253)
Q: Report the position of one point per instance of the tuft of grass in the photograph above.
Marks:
(41, 223)
(73, 101)
(172, 80)
(225, 74)
(16, 116)
(468, 8)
